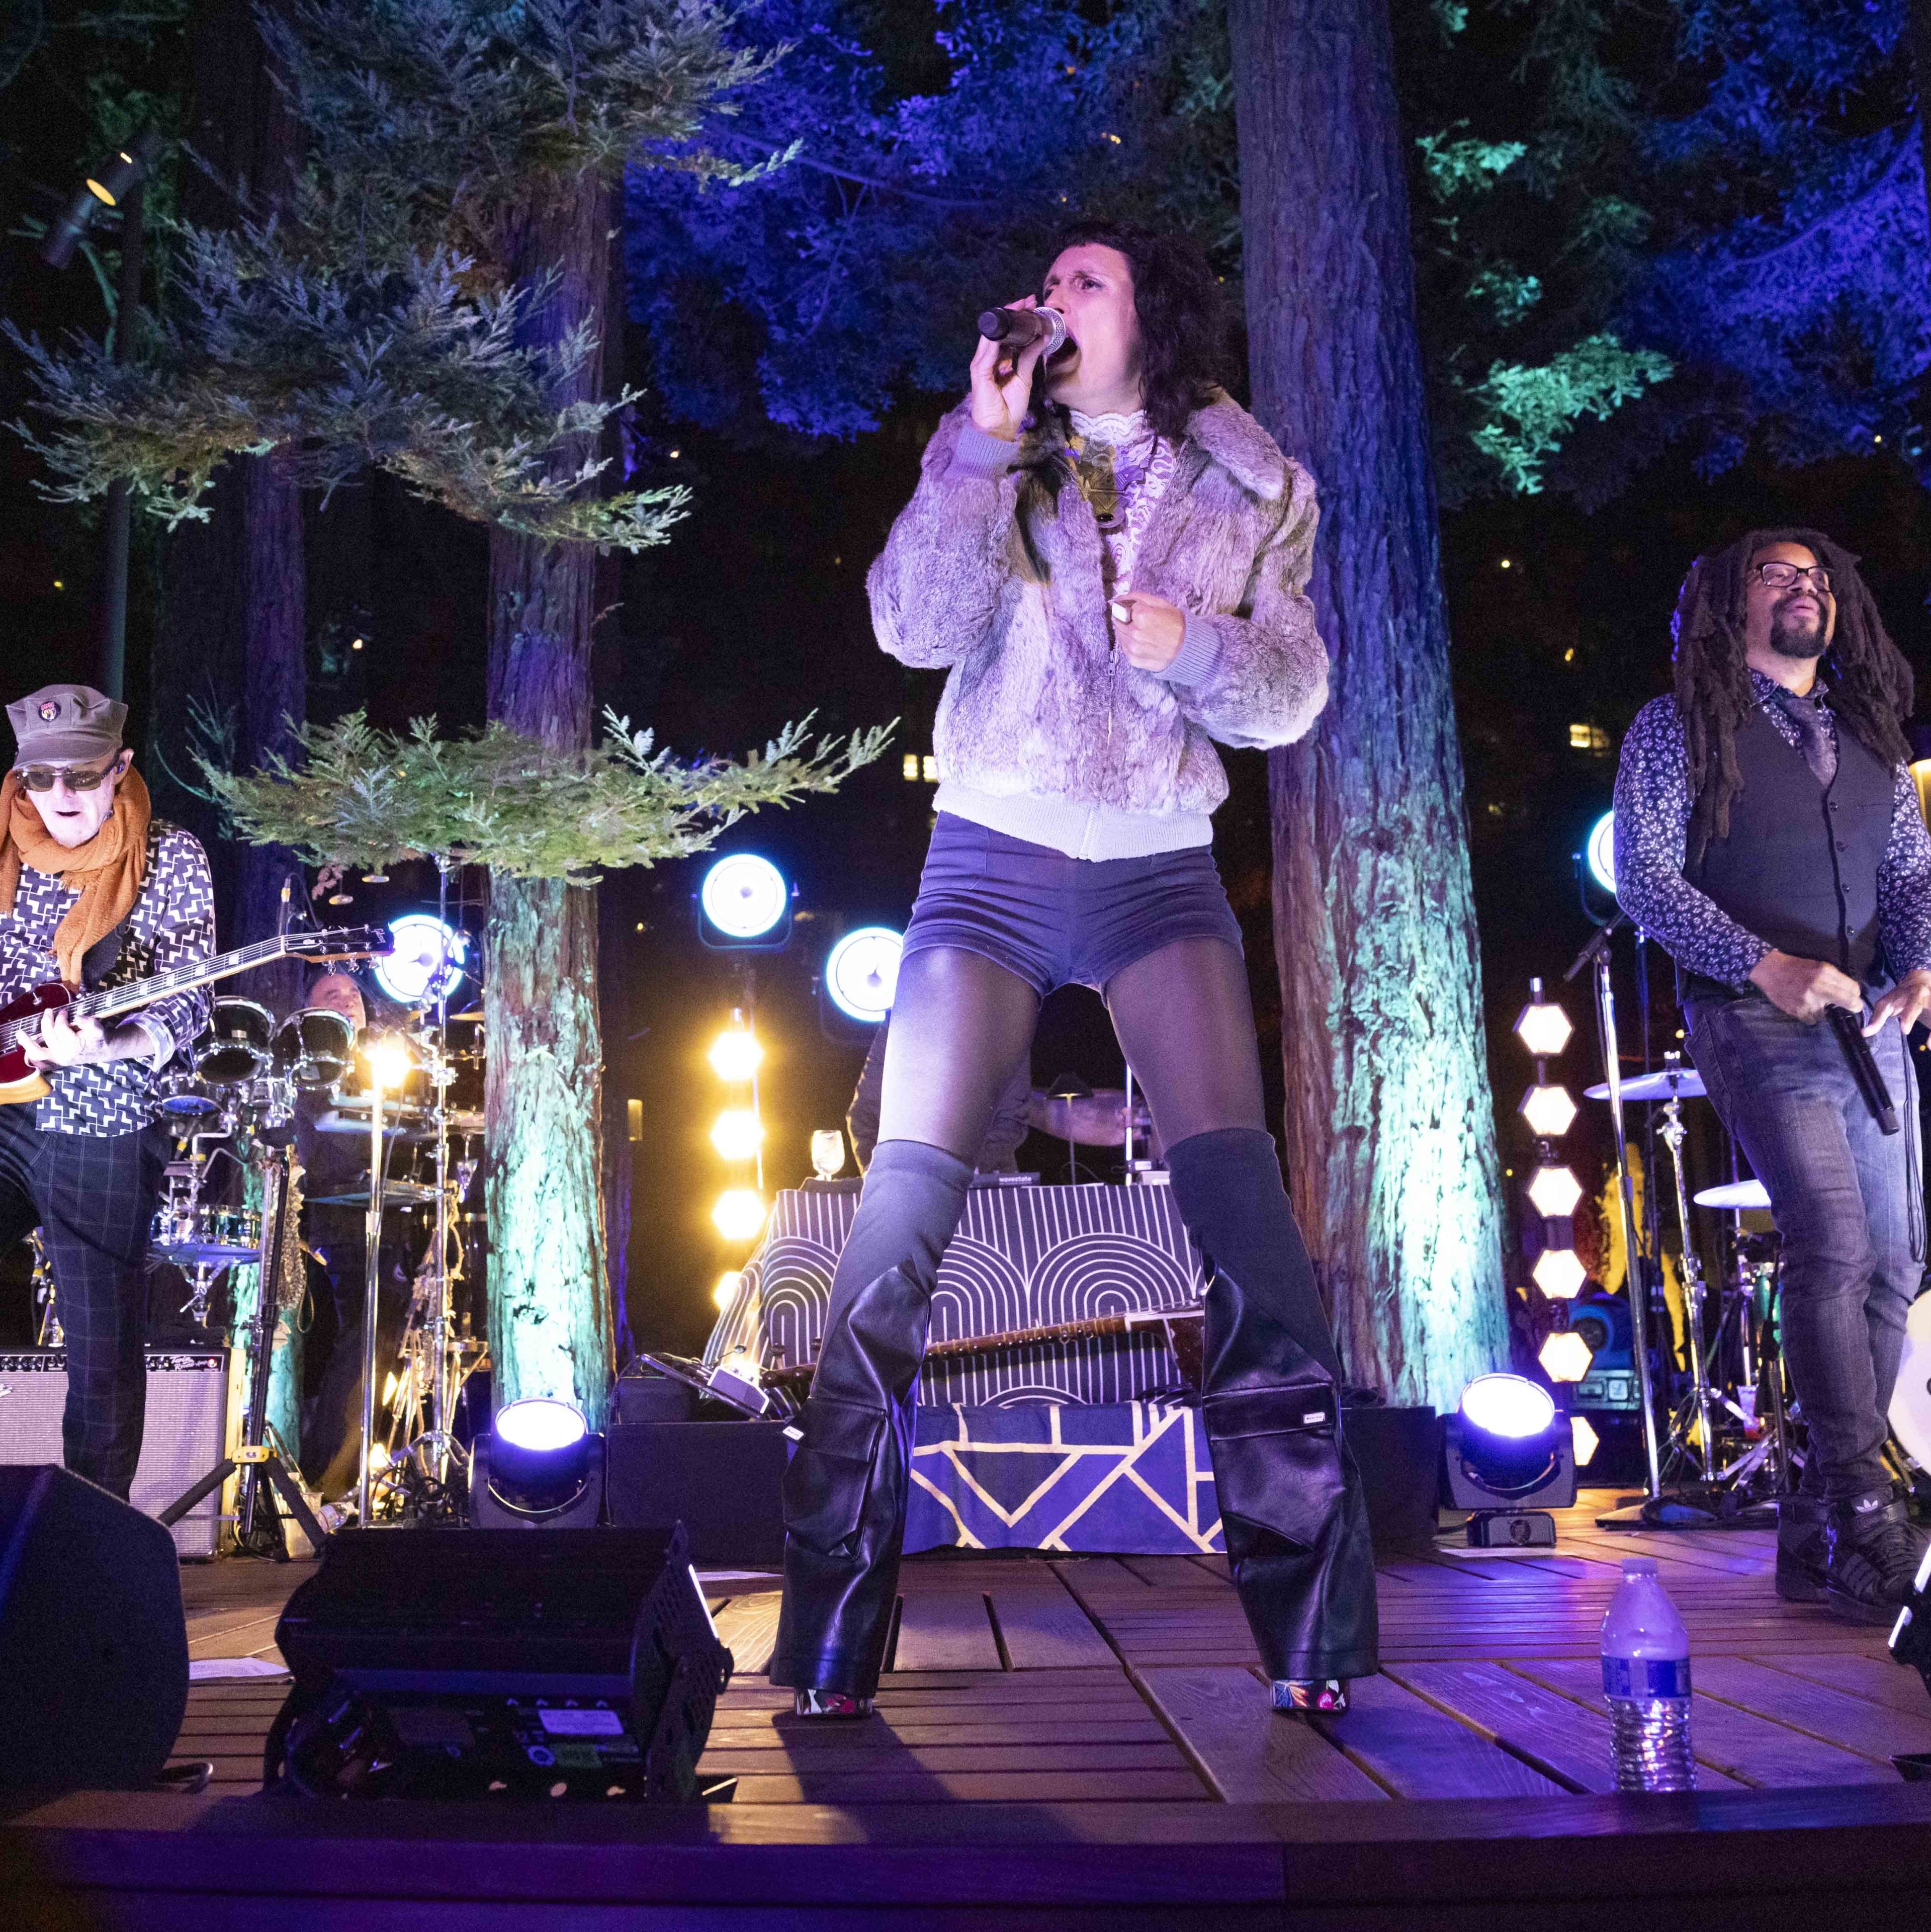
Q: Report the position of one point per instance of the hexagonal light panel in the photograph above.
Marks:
(1559, 1274)
(1549, 1111)
(1543, 1028)
(1554, 1190)
(1586, 1440)
(1565, 1356)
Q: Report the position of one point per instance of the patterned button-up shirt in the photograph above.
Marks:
(171, 924)
(1653, 807)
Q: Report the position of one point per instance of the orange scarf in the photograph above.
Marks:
(107, 870)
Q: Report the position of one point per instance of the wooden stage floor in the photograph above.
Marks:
(1113, 1705)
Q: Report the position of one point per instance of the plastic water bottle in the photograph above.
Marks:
(1646, 1681)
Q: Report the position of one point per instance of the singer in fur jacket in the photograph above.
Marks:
(1110, 558)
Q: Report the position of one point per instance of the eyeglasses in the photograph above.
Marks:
(1779, 576)
(40, 778)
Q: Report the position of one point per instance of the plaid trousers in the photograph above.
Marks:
(93, 1198)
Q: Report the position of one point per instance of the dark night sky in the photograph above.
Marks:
(756, 614)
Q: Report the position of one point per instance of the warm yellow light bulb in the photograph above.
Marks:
(1565, 1356)
(1560, 1274)
(1543, 1028)
(388, 1063)
(737, 1133)
(1554, 1191)
(1586, 1440)
(735, 1054)
(739, 1214)
(729, 1283)
(1549, 1111)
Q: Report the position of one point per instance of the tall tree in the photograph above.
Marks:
(1390, 1131)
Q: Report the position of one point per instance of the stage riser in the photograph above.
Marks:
(1073, 1478)
(184, 1437)
(1023, 1257)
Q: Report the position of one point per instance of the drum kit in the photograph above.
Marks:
(419, 1102)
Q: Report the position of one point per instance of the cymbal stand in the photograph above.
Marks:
(48, 1333)
(372, 1283)
(256, 1456)
(1672, 1133)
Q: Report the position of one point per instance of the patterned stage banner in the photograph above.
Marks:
(1024, 1257)
(1128, 1476)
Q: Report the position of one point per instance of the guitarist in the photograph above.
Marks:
(96, 891)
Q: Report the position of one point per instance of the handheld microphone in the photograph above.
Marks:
(1018, 328)
(1864, 1067)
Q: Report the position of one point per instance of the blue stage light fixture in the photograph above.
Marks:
(1600, 851)
(1509, 1450)
(427, 962)
(540, 1465)
(861, 973)
(745, 903)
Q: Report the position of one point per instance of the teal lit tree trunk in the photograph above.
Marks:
(550, 1313)
(1389, 1121)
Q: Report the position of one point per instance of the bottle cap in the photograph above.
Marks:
(1638, 1566)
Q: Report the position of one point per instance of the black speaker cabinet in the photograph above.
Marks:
(93, 1639)
(721, 1479)
(494, 1664)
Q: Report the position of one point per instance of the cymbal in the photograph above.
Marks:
(407, 1123)
(1734, 1196)
(1098, 1119)
(1683, 1083)
(395, 1194)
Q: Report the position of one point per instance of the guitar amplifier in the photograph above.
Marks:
(185, 1436)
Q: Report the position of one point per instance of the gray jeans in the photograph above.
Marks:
(1849, 1203)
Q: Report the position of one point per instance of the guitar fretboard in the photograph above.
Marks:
(106, 1002)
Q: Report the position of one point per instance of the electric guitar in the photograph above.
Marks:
(20, 1018)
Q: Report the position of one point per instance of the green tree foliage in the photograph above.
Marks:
(363, 797)
(374, 322)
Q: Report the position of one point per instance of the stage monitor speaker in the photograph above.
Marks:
(93, 1639)
(183, 1436)
(722, 1479)
(492, 1663)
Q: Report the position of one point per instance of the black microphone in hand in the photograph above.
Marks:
(1864, 1066)
(1018, 328)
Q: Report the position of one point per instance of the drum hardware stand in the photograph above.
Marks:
(256, 1456)
(1597, 954)
(1672, 1134)
(372, 1282)
(48, 1333)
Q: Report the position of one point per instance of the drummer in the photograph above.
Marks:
(336, 1233)
(95, 891)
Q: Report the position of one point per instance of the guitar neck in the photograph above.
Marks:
(109, 1002)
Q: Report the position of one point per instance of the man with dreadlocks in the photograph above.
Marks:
(1768, 834)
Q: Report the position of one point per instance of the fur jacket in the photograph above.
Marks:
(999, 578)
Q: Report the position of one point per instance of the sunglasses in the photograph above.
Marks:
(41, 778)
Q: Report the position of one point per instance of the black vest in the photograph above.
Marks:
(1800, 866)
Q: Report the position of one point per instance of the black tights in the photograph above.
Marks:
(959, 1022)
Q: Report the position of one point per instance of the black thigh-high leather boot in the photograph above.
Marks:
(1291, 1499)
(845, 1490)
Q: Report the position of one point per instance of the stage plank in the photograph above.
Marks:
(1853, 1722)
(1046, 1632)
(1880, 1678)
(747, 1626)
(1249, 1754)
(1416, 1751)
(1754, 1749)
(945, 1631)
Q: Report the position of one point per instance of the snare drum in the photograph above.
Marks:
(239, 1042)
(314, 1047)
(193, 1236)
(184, 1100)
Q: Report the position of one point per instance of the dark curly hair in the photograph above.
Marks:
(1870, 682)
(1182, 318)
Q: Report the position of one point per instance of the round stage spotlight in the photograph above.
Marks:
(1508, 1406)
(427, 962)
(744, 902)
(861, 973)
(1600, 851)
(541, 1454)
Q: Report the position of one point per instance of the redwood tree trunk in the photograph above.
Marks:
(549, 1316)
(1389, 1124)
